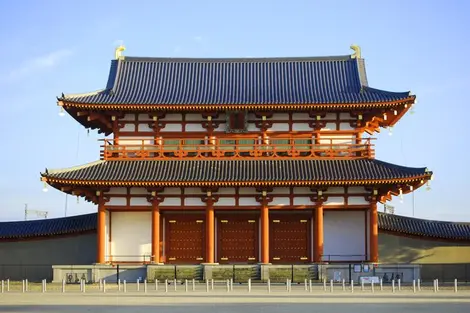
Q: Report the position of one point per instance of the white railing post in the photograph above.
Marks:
(393, 285)
(63, 285)
(414, 286)
(212, 284)
(194, 284)
(324, 284)
(138, 284)
(381, 285)
(156, 284)
(344, 284)
(310, 285)
(104, 285)
(228, 285)
(124, 285)
(362, 285)
(399, 284)
(207, 285)
(269, 285)
(119, 284)
(249, 284)
(186, 285)
(372, 286)
(305, 284)
(166, 285)
(419, 284)
(455, 285)
(174, 281)
(331, 285)
(145, 286)
(352, 286)
(8, 284)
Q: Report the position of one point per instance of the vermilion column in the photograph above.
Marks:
(374, 233)
(210, 231)
(264, 231)
(156, 231)
(318, 237)
(101, 234)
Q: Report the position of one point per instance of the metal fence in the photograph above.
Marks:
(445, 273)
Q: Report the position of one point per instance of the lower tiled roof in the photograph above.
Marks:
(304, 170)
(87, 222)
(48, 227)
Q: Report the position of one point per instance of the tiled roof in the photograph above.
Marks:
(48, 227)
(245, 81)
(88, 222)
(236, 171)
(426, 228)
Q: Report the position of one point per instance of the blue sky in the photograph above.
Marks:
(49, 47)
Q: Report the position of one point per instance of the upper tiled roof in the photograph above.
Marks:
(245, 81)
(88, 222)
(195, 171)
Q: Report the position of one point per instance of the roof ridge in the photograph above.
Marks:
(72, 168)
(238, 59)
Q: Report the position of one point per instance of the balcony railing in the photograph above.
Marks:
(236, 148)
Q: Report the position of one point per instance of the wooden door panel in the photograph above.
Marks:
(185, 239)
(289, 239)
(237, 239)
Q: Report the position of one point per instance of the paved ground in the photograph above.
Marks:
(237, 301)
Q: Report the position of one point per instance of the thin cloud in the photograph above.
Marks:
(40, 63)
(197, 38)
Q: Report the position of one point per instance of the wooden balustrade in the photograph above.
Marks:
(236, 148)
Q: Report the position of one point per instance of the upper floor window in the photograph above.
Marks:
(236, 121)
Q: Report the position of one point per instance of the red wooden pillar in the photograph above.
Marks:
(156, 231)
(210, 228)
(264, 231)
(374, 233)
(101, 232)
(318, 236)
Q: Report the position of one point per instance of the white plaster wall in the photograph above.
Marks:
(131, 234)
(345, 126)
(117, 201)
(302, 201)
(136, 141)
(280, 201)
(194, 117)
(329, 126)
(221, 127)
(144, 128)
(344, 235)
(128, 128)
(195, 128)
(117, 190)
(174, 117)
(301, 127)
(301, 116)
(172, 128)
(279, 127)
(247, 190)
(141, 201)
(171, 191)
(280, 116)
(356, 190)
(302, 190)
(226, 191)
(334, 201)
(171, 201)
(193, 191)
(357, 201)
(225, 201)
(248, 201)
(331, 190)
(128, 117)
(193, 201)
(138, 191)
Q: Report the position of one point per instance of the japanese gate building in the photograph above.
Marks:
(250, 160)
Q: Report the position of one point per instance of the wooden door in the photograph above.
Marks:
(237, 238)
(184, 239)
(289, 240)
